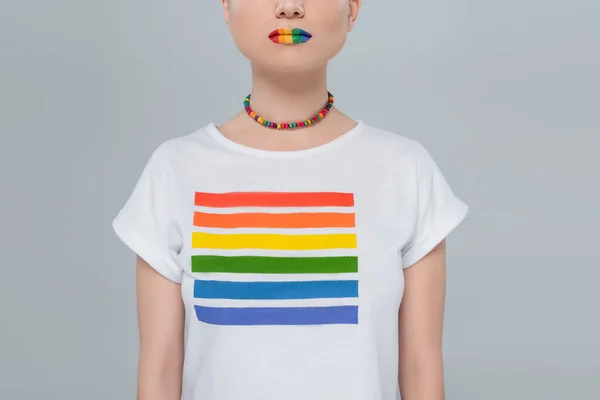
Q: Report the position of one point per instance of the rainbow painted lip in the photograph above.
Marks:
(289, 36)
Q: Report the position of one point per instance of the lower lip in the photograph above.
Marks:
(289, 36)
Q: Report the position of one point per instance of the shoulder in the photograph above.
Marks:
(180, 147)
(399, 146)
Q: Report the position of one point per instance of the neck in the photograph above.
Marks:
(283, 97)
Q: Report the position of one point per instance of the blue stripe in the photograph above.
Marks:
(275, 290)
(278, 316)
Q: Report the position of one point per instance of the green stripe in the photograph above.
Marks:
(274, 265)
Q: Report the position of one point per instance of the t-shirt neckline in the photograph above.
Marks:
(216, 134)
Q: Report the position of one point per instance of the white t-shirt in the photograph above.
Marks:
(290, 262)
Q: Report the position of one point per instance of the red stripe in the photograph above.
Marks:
(274, 199)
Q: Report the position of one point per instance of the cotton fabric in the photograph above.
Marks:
(290, 262)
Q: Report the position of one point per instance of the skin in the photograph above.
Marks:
(420, 321)
(161, 324)
(288, 84)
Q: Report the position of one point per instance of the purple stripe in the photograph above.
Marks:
(278, 315)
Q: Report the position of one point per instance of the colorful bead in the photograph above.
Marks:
(289, 125)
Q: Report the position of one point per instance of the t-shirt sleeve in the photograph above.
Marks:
(145, 223)
(438, 210)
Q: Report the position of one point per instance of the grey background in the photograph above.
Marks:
(505, 94)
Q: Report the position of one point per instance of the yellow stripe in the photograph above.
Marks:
(289, 39)
(273, 241)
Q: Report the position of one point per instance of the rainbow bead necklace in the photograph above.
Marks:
(289, 125)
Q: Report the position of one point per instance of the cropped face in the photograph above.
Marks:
(290, 35)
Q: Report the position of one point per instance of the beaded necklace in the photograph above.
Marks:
(289, 125)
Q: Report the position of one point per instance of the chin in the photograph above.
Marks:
(290, 60)
(291, 64)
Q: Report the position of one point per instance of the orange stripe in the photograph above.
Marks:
(265, 220)
(274, 199)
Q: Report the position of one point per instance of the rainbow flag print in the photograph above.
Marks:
(275, 258)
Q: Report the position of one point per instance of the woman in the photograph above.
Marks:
(273, 250)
